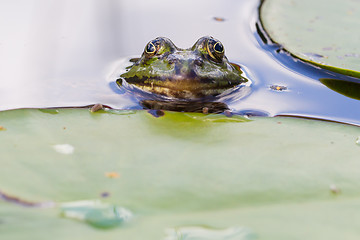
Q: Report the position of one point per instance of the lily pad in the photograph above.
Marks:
(322, 32)
(268, 178)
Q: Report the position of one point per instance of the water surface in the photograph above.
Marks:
(63, 53)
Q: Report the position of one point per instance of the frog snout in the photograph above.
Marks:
(188, 68)
(199, 62)
(186, 62)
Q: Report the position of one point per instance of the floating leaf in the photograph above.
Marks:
(322, 32)
(276, 176)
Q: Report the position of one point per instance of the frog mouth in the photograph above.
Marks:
(183, 88)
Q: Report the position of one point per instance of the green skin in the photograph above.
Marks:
(200, 71)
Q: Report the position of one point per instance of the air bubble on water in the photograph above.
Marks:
(357, 141)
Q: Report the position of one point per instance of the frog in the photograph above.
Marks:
(195, 73)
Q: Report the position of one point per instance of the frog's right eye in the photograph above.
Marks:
(158, 46)
(151, 48)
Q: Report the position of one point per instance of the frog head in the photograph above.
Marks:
(200, 71)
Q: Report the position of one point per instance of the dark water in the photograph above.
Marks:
(67, 53)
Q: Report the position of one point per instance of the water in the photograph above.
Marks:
(63, 53)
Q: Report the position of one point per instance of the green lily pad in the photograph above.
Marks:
(190, 173)
(322, 32)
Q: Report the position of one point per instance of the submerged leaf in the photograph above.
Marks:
(95, 213)
(202, 233)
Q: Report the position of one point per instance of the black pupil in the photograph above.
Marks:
(150, 48)
(219, 47)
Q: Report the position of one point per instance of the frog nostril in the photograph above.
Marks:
(172, 60)
(198, 62)
(177, 69)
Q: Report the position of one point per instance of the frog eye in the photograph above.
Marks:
(158, 46)
(215, 49)
(219, 48)
(150, 49)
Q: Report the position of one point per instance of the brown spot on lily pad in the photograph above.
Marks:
(25, 203)
(112, 175)
(2, 128)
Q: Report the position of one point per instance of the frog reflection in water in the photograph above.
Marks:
(183, 76)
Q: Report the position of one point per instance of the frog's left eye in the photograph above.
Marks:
(219, 48)
(215, 49)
